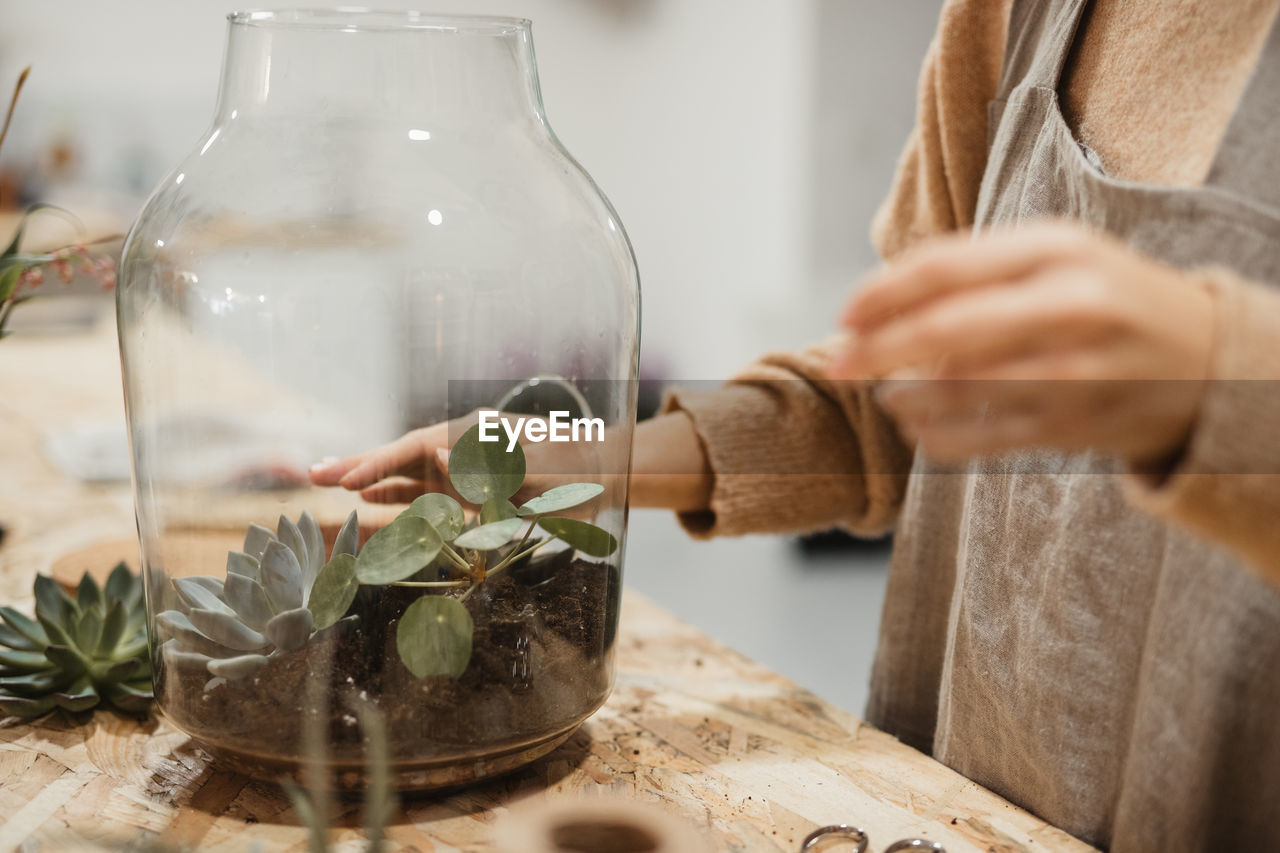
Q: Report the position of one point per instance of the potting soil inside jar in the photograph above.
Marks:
(539, 664)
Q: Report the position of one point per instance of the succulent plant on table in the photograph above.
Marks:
(278, 593)
(80, 652)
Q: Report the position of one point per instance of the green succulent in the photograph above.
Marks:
(79, 652)
(232, 626)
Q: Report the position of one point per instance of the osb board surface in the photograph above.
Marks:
(737, 750)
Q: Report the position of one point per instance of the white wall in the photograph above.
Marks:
(743, 142)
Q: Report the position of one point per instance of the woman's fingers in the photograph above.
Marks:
(401, 489)
(959, 263)
(418, 462)
(1043, 337)
(410, 455)
(397, 490)
(980, 327)
(327, 472)
(957, 442)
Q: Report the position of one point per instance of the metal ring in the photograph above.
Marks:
(547, 379)
(915, 844)
(842, 829)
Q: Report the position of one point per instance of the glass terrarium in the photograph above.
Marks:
(380, 254)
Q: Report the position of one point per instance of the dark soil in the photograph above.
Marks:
(541, 661)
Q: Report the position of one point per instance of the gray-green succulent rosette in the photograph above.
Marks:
(274, 599)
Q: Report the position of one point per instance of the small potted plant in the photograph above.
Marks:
(483, 629)
(378, 232)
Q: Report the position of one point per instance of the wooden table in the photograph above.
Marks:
(751, 758)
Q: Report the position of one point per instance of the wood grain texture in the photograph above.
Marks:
(749, 758)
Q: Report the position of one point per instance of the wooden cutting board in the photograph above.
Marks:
(97, 559)
(188, 553)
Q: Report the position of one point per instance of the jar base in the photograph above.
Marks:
(405, 776)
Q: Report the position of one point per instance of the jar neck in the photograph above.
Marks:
(379, 67)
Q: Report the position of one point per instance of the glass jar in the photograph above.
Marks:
(379, 233)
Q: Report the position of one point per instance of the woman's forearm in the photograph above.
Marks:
(669, 468)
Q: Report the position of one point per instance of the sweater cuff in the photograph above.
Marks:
(1226, 484)
(764, 479)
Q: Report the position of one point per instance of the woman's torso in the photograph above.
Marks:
(1115, 675)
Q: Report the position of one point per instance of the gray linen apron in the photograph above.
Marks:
(1115, 675)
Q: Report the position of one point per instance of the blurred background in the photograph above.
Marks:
(744, 143)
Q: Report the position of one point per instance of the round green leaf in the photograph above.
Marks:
(481, 470)
(489, 536)
(497, 509)
(335, 589)
(561, 498)
(434, 637)
(398, 550)
(587, 538)
(441, 512)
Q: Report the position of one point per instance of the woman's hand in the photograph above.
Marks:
(669, 467)
(418, 462)
(397, 472)
(1048, 336)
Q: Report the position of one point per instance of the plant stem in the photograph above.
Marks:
(457, 559)
(522, 554)
(430, 584)
(511, 557)
(13, 103)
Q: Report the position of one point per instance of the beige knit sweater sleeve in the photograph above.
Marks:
(792, 451)
(935, 188)
(1226, 486)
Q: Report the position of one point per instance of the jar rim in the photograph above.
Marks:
(362, 18)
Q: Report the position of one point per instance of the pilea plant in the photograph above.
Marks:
(279, 592)
(432, 546)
